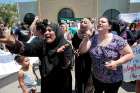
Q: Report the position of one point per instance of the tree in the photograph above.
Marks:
(8, 13)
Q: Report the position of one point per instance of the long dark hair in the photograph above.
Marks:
(115, 26)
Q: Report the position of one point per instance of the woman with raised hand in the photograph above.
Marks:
(55, 54)
(83, 61)
(108, 52)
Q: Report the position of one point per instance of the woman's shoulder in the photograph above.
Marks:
(117, 37)
(119, 41)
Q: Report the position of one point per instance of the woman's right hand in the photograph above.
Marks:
(86, 34)
(7, 38)
(111, 65)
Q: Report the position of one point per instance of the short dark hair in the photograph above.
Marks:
(132, 25)
(40, 26)
(19, 58)
(45, 22)
(29, 18)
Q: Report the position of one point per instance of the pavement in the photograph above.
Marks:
(9, 84)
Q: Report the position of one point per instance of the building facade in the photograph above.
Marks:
(55, 9)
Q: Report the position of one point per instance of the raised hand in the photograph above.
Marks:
(62, 48)
(7, 38)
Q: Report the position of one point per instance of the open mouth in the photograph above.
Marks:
(47, 36)
(99, 26)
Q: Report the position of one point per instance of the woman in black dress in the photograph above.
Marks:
(55, 54)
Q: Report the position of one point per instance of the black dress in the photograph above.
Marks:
(54, 68)
(82, 69)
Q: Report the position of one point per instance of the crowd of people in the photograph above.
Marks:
(96, 50)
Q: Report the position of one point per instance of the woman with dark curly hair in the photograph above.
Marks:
(108, 52)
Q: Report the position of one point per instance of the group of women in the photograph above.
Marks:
(100, 52)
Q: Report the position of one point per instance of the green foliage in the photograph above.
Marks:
(8, 13)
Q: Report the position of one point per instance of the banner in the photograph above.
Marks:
(8, 65)
(131, 18)
(131, 70)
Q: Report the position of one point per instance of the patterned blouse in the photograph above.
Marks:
(100, 55)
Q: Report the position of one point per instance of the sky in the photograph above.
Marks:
(14, 1)
(135, 1)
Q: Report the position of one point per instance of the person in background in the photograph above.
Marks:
(73, 28)
(123, 27)
(137, 43)
(67, 35)
(33, 26)
(26, 77)
(131, 34)
(115, 27)
(127, 32)
(35, 31)
(108, 52)
(22, 32)
(3, 29)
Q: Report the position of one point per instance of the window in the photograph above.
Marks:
(65, 13)
(111, 14)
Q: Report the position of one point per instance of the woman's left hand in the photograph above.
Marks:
(62, 48)
(111, 65)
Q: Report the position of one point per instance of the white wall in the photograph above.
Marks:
(81, 8)
(27, 7)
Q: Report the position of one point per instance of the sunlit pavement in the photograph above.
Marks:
(9, 84)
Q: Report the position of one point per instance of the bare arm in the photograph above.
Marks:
(33, 25)
(8, 39)
(126, 55)
(18, 47)
(21, 82)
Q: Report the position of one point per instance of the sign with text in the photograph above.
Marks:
(131, 70)
(131, 18)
